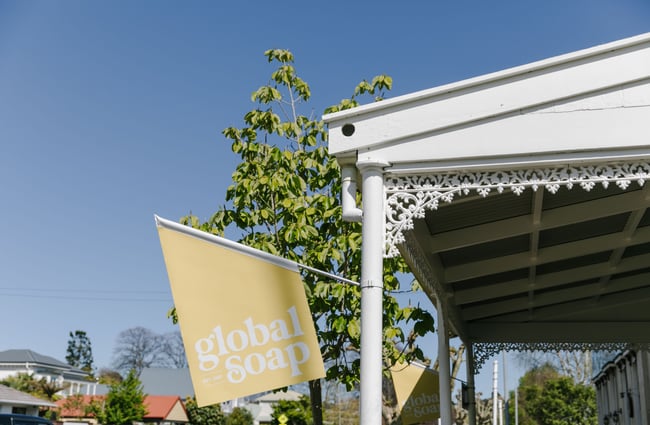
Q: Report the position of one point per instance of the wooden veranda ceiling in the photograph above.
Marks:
(570, 266)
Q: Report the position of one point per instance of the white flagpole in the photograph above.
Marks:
(247, 250)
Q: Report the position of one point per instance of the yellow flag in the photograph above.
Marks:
(418, 393)
(243, 315)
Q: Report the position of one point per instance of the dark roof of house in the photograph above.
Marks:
(29, 356)
(274, 397)
(166, 381)
(14, 397)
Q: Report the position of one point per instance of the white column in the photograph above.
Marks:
(495, 392)
(444, 373)
(372, 270)
(517, 405)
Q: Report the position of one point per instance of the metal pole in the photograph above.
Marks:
(495, 391)
(372, 264)
(505, 392)
(500, 412)
(444, 373)
(517, 405)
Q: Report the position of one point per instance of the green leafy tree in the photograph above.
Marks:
(298, 412)
(80, 352)
(530, 388)
(563, 402)
(547, 397)
(41, 388)
(124, 403)
(284, 200)
(49, 389)
(208, 415)
(22, 382)
(239, 416)
(75, 406)
(109, 376)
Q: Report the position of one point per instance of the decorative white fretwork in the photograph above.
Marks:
(409, 197)
(484, 351)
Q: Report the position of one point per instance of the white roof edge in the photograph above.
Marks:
(490, 77)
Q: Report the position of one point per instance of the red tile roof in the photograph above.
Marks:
(73, 406)
(158, 406)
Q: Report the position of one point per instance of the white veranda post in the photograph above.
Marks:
(471, 394)
(444, 372)
(372, 264)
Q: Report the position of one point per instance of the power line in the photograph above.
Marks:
(98, 291)
(125, 298)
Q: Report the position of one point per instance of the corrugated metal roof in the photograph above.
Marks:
(12, 396)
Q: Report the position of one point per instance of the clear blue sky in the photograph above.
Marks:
(111, 112)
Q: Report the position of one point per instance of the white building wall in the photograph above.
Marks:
(31, 410)
(622, 390)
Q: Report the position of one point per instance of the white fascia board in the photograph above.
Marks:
(491, 96)
(577, 136)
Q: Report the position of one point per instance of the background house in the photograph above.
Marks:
(168, 381)
(73, 410)
(161, 410)
(178, 383)
(262, 407)
(74, 381)
(623, 389)
(165, 410)
(14, 401)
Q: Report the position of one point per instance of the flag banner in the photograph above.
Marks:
(418, 393)
(243, 315)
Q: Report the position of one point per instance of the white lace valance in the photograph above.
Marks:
(410, 196)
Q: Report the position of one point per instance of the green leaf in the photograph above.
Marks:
(354, 328)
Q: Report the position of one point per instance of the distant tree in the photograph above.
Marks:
(483, 410)
(77, 406)
(562, 401)
(109, 376)
(546, 397)
(240, 416)
(124, 403)
(600, 358)
(80, 352)
(208, 415)
(26, 383)
(577, 365)
(22, 382)
(173, 350)
(138, 348)
(49, 389)
(530, 388)
(298, 412)
(341, 407)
